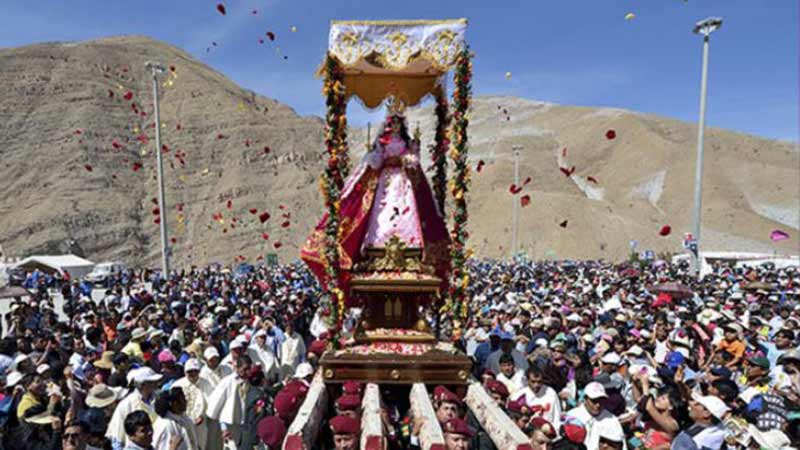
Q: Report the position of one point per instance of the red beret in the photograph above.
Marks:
(544, 426)
(442, 394)
(297, 387)
(457, 426)
(286, 405)
(271, 430)
(497, 387)
(348, 403)
(351, 388)
(488, 372)
(345, 425)
(318, 347)
(518, 406)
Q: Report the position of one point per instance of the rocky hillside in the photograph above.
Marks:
(78, 166)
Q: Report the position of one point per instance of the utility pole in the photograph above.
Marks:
(515, 212)
(704, 27)
(155, 70)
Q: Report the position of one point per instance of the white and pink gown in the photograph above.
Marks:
(396, 213)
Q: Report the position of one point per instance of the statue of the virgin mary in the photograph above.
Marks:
(386, 195)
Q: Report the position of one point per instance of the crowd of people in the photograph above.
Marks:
(578, 354)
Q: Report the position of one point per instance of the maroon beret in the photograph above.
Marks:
(351, 388)
(297, 387)
(348, 403)
(271, 430)
(318, 347)
(497, 387)
(442, 394)
(457, 426)
(286, 405)
(345, 425)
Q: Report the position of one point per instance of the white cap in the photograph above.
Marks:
(42, 368)
(13, 378)
(635, 351)
(144, 374)
(239, 342)
(191, 364)
(595, 390)
(713, 404)
(260, 332)
(612, 433)
(611, 358)
(19, 359)
(303, 370)
(210, 352)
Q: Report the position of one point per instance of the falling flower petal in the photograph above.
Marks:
(110, 93)
(229, 204)
(611, 134)
(173, 240)
(265, 236)
(266, 150)
(564, 152)
(136, 166)
(263, 217)
(221, 8)
(778, 235)
(525, 200)
(271, 35)
(220, 136)
(563, 224)
(286, 224)
(567, 172)
(77, 131)
(128, 95)
(480, 166)
(630, 16)
(508, 75)
(88, 167)
(665, 230)
(527, 180)
(253, 211)
(260, 41)
(514, 189)
(156, 211)
(592, 179)
(277, 245)
(172, 69)
(255, 11)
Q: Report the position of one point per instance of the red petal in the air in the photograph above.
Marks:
(221, 8)
(271, 35)
(514, 189)
(253, 211)
(527, 180)
(665, 230)
(277, 245)
(564, 152)
(265, 236)
(88, 167)
(592, 179)
(229, 204)
(128, 95)
(611, 134)
(136, 166)
(286, 224)
(563, 224)
(263, 217)
(480, 166)
(525, 200)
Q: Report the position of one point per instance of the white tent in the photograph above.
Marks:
(76, 266)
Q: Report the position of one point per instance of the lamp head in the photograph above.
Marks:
(707, 25)
(156, 67)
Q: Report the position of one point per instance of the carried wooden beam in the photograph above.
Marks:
(501, 429)
(371, 423)
(430, 436)
(304, 430)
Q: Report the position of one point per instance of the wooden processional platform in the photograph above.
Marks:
(393, 344)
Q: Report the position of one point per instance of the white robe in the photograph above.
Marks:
(264, 357)
(133, 402)
(196, 406)
(293, 352)
(547, 399)
(212, 376)
(166, 428)
(317, 325)
(227, 403)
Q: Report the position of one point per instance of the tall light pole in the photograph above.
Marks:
(704, 27)
(155, 70)
(515, 212)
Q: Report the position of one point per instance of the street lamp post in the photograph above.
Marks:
(155, 70)
(515, 212)
(704, 27)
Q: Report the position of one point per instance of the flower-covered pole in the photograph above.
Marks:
(331, 184)
(459, 186)
(439, 150)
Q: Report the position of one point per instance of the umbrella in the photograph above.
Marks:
(630, 272)
(675, 290)
(758, 285)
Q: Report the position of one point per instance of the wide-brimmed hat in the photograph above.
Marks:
(105, 362)
(100, 396)
(138, 333)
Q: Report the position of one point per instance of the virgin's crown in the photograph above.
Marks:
(395, 106)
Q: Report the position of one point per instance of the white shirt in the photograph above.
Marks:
(293, 352)
(514, 383)
(212, 376)
(116, 426)
(227, 403)
(605, 420)
(546, 399)
(166, 428)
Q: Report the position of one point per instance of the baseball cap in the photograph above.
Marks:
(713, 404)
(595, 390)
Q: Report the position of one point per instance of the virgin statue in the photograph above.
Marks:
(385, 196)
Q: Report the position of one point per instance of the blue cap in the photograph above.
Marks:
(505, 335)
(674, 360)
(496, 331)
(721, 371)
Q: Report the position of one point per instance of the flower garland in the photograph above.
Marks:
(459, 185)
(439, 151)
(331, 184)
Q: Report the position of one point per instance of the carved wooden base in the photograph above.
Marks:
(432, 367)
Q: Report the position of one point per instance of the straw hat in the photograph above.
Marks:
(106, 361)
(100, 396)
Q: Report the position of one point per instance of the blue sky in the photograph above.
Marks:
(564, 51)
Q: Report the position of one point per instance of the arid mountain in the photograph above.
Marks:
(71, 155)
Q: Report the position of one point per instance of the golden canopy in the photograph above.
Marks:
(405, 59)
